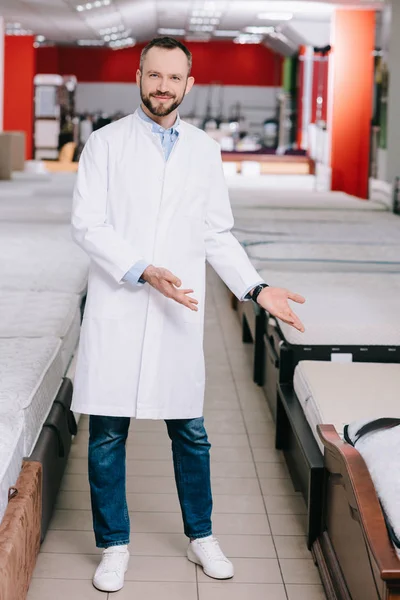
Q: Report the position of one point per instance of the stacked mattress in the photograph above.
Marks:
(43, 280)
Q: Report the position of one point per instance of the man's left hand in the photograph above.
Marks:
(275, 302)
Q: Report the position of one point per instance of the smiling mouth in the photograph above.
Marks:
(163, 97)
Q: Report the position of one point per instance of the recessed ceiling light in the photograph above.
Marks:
(259, 30)
(226, 33)
(88, 6)
(80, 8)
(167, 31)
(40, 38)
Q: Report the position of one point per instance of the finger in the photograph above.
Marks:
(297, 323)
(296, 298)
(171, 278)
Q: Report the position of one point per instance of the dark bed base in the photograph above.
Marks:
(353, 551)
(52, 449)
(302, 455)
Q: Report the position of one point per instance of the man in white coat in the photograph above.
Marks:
(150, 208)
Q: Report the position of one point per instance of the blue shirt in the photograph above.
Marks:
(168, 137)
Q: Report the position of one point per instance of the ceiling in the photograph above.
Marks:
(139, 20)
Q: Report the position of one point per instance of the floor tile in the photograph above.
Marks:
(272, 470)
(305, 592)
(231, 469)
(165, 568)
(284, 505)
(296, 570)
(251, 570)
(239, 591)
(288, 546)
(43, 589)
(247, 546)
(250, 524)
(238, 504)
(277, 487)
(288, 524)
(157, 591)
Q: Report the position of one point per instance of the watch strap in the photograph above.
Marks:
(257, 291)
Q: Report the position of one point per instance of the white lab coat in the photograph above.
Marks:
(140, 353)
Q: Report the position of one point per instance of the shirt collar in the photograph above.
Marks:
(156, 128)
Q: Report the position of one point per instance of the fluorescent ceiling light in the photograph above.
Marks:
(276, 16)
(167, 31)
(297, 6)
(90, 43)
(226, 33)
(248, 38)
(260, 30)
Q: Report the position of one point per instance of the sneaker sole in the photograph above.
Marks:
(193, 558)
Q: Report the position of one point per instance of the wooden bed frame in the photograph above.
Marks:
(346, 530)
(353, 551)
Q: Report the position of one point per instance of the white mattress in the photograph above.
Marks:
(35, 209)
(26, 314)
(370, 231)
(30, 376)
(41, 258)
(253, 216)
(337, 394)
(11, 454)
(335, 316)
(326, 257)
(255, 192)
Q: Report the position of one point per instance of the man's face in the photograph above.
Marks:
(164, 81)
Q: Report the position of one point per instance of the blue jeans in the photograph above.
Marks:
(107, 477)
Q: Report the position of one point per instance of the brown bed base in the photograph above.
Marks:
(354, 553)
(20, 533)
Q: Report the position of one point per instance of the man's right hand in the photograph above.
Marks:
(167, 284)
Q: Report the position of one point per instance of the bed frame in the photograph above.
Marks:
(353, 550)
(346, 531)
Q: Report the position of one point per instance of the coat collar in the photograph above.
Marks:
(155, 127)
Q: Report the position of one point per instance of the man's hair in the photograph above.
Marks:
(168, 43)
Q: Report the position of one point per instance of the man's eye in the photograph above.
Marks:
(176, 78)
(153, 75)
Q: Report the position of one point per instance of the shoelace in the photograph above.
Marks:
(112, 562)
(212, 549)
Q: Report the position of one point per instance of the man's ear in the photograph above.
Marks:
(138, 76)
(189, 84)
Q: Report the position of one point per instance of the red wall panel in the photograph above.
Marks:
(225, 62)
(19, 70)
(353, 72)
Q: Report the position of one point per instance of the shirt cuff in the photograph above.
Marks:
(243, 298)
(135, 272)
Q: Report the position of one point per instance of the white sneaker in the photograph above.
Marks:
(207, 553)
(110, 573)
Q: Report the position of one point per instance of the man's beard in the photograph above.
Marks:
(160, 111)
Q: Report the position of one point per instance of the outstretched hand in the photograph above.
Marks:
(275, 302)
(168, 284)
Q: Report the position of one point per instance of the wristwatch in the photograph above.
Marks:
(257, 291)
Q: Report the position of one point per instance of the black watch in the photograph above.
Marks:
(257, 291)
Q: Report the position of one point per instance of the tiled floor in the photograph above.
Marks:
(258, 517)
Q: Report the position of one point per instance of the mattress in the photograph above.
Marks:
(255, 193)
(371, 231)
(11, 454)
(30, 376)
(337, 394)
(32, 209)
(26, 314)
(335, 316)
(253, 216)
(326, 257)
(41, 258)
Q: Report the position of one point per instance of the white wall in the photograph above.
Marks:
(258, 103)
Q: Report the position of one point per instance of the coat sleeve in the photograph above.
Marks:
(223, 251)
(90, 229)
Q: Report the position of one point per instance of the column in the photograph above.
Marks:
(393, 117)
(350, 104)
(1, 71)
(19, 71)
